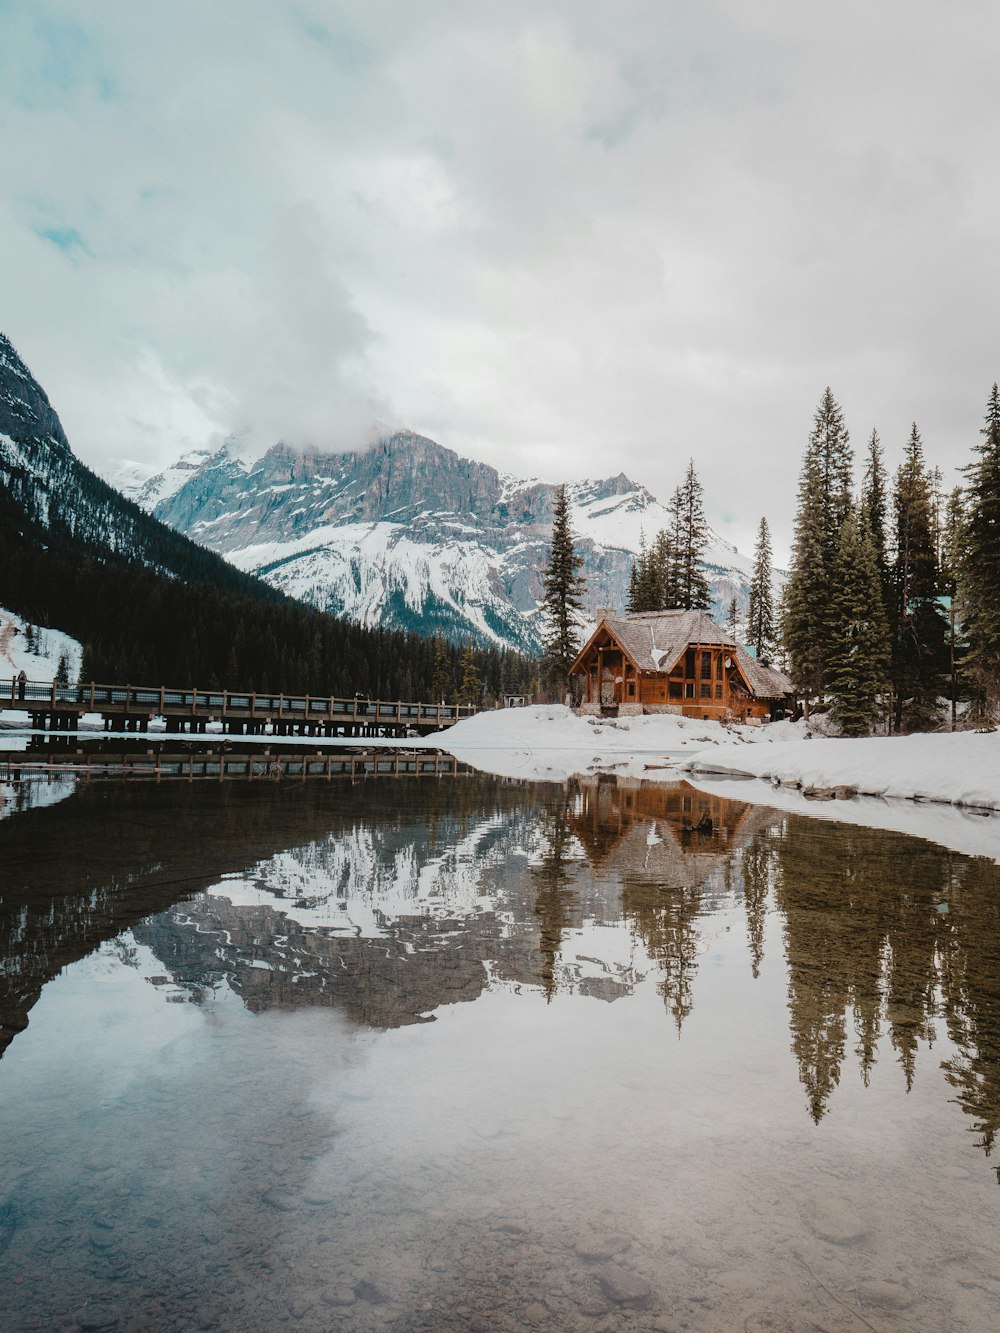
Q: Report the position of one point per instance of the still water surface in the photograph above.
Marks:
(464, 1054)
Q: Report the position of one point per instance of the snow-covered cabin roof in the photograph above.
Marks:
(656, 640)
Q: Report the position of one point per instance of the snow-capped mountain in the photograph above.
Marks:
(409, 534)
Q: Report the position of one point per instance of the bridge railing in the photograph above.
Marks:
(49, 696)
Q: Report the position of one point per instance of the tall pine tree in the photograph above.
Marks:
(689, 541)
(471, 689)
(952, 551)
(858, 663)
(824, 502)
(979, 568)
(732, 626)
(919, 630)
(440, 674)
(561, 597)
(874, 507)
(760, 617)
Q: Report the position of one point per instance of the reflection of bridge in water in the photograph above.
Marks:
(58, 708)
(218, 766)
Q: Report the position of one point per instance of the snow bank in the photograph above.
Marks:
(548, 741)
(961, 768)
(971, 831)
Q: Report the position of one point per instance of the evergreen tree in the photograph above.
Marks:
(561, 598)
(733, 620)
(653, 577)
(979, 569)
(824, 502)
(919, 632)
(689, 542)
(874, 507)
(642, 581)
(760, 617)
(472, 685)
(634, 577)
(440, 675)
(859, 651)
(664, 560)
(952, 548)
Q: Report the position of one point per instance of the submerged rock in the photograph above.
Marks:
(623, 1287)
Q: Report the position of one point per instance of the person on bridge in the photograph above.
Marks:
(22, 681)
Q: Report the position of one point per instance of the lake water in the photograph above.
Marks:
(455, 1053)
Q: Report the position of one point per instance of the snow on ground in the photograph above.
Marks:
(917, 781)
(961, 768)
(43, 662)
(548, 741)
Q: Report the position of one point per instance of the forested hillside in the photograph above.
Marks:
(152, 607)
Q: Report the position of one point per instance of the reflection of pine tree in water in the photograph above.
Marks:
(970, 968)
(916, 936)
(554, 899)
(664, 917)
(880, 925)
(856, 939)
(756, 863)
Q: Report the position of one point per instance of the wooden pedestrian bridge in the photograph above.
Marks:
(58, 708)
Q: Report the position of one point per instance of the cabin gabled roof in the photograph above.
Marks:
(656, 641)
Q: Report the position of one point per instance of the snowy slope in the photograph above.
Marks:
(148, 487)
(40, 658)
(410, 534)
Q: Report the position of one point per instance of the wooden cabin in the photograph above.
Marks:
(675, 662)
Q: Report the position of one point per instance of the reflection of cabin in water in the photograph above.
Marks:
(673, 832)
(676, 662)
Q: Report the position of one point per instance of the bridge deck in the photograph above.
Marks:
(58, 708)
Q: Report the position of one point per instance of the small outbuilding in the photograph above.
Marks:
(675, 662)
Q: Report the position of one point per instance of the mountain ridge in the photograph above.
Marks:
(407, 532)
(151, 606)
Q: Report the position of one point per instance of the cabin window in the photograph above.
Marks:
(689, 690)
(689, 662)
(706, 666)
(706, 690)
(631, 689)
(675, 689)
(718, 691)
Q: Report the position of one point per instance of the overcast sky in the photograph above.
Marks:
(567, 238)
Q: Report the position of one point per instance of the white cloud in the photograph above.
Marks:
(565, 237)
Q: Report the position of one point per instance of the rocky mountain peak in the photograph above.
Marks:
(409, 533)
(25, 411)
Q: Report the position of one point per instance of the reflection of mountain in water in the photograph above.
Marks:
(77, 874)
(389, 899)
(392, 915)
